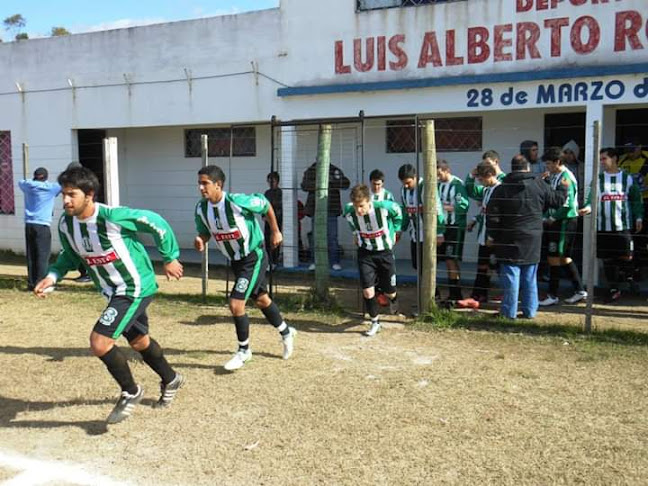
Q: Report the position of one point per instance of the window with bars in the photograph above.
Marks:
(241, 139)
(6, 175)
(452, 135)
(377, 4)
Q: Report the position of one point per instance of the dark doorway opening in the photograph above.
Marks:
(560, 128)
(632, 126)
(91, 155)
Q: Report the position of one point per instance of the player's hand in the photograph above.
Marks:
(449, 208)
(584, 211)
(199, 244)
(470, 226)
(489, 241)
(565, 183)
(638, 226)
(275, 239)
(440, 239)
(173, 269)
(41, 287)
(545, 174)
(398, 236)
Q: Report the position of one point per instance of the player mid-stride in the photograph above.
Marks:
(104, 240)
(230, 219)
(374, 225)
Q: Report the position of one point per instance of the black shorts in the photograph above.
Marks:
(124, 315)
(250, 275)
(486, 256)
(560, 237)
(453, 242)
(377, 269)
(613, 244)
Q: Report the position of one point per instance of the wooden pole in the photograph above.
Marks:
(204, 268)
(591, 256)
(321, 211)
(428, 276)
(25, 154)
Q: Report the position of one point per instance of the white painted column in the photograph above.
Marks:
(286, 165)
(111, 172)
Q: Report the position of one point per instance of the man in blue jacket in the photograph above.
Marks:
(39, 205)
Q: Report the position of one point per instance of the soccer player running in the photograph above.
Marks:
(454, 200)
(378, 191)
(561, 225)
(486, 175)
(104, 239)
(374, 225)
(231, 220)
(620, 212)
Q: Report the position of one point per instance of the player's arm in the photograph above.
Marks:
(561, 213)
(201, 228)
(461, 202)
(473, 191)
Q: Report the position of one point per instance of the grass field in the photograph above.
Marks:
(474, 402)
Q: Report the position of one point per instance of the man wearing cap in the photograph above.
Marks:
(39, 205)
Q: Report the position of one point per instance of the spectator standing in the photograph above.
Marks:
(337, 182)
(514, 227)
(529, 150)
(275, 196)
(39, 207)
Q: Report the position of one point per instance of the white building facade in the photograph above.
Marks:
(491, 72)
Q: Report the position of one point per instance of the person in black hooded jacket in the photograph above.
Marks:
(514, 228)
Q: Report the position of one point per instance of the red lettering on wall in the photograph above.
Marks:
(478, 48)
(340, 67)
(430, 51)
(523, 5)
(577, 31)
(528, 34)
(397, 50)
(556, 26)
(365, 66)
(501, 43)
(627, 25)
(451, 59)
(382, 53)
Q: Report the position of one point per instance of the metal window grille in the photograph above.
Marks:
(452, 135)
(6, 175)
(243, 141)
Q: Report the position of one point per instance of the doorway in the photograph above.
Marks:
(91, 155)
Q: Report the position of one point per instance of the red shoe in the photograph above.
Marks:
(382, 299)
(468, 303)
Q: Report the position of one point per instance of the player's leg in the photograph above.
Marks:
(367, 267)
(567, 252)
(386, 278)
(553, 239)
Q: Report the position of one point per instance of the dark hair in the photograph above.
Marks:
(612, 152)
(491, 154)
(214, 173)
(360, 192)
(273, 175)
(406, 171)
(377, 174)
(552, 154)
(79, 178)
(519, 163)
(485, 169)
(40, 174)
(526, 146)
(443, 165)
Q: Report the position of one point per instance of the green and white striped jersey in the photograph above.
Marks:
(620, 203)
(107, 245)
(232, 223)
(454, 193)
(483, 209)
(475, 190)
(382, 195)
(570, 208)
(412, 202)
(376, 230)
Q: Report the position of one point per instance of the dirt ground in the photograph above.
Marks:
(410, 406)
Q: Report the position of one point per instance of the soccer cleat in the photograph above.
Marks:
(311, 266)
(337, 267)
(394, 308)
(613, 296)
(577, 297)
(168, 391)
(497, 299)
(83, 279)
(373, 329)
(550, 300)
(125, 406)
(241, 357)
(468, 303)
(288, 342)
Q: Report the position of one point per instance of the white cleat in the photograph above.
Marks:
(577, 297)
(373, 330)
(239, 359)
(288, 342)
(550, 300)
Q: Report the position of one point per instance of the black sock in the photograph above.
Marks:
(372, 307)
(575, 276)
(611, 273)
(242, 324)
(554, 280)
(481, 285)
(154, 357)
(273, 316)
(115, 361)
(454, 287)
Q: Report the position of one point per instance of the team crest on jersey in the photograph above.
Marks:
(242, 285)
(87, 244)
(108, 317)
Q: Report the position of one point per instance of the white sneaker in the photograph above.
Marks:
(311, 266)
(550, 300)
(577, 297)
(241, 357)
(288, 342)
(337, 267)
(373, 330)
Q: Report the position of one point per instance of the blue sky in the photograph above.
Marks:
(85, 16)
